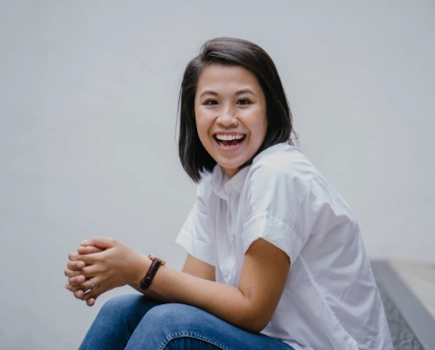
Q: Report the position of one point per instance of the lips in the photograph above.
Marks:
(229, 140)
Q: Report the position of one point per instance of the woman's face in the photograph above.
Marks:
(230, 114)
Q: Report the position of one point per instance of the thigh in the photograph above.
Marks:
(116, 322)
(178, 326)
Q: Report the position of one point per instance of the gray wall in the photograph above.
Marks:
(88, 102)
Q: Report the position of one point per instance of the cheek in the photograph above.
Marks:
(261, 131)
(203, 121)
(198, 119)
(202, 130)
(199, 125)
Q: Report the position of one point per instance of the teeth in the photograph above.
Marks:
(229, 137)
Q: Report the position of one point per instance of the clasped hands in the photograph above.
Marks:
(101, 264)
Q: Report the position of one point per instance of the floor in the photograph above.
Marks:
(420, 279)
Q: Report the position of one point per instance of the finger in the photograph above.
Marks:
(76, 281)
(75, 278)
(80, 288)
(83, 289)
(88, 250)
(100, 242)
(75, 265)
(91, 301)
(72, 289)
(73, 256)
(93, 293)
(70, 273)
(88, 259)
(77, 257)
(87, 285)
(90, 284)
(79, 294)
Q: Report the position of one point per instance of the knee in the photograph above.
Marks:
(119, 305)
(172, 317)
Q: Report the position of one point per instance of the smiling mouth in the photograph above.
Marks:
(229, 140)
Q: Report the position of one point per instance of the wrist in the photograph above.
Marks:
(143, 266)
(154, 267)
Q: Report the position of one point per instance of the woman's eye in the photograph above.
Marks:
(243, 101)
(210, 102)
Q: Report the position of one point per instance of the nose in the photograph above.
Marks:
(227, 117)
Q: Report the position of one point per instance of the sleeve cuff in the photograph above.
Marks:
(198, 249)
(275, 232)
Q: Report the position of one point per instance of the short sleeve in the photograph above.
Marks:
(278, 205)
(195, 235)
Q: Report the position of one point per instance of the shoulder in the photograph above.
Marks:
(283, 159)
(283, 165)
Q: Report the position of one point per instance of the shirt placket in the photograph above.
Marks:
(231, 261)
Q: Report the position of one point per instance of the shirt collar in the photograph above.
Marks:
(238, 180)
(222, 185)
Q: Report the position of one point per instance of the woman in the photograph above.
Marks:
(275, 256)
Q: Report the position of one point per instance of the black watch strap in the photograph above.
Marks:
(155, 264)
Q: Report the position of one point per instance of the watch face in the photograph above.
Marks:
(152, 257)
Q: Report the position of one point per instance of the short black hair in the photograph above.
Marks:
(236, 52)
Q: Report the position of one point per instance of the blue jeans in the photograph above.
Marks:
(137, 322)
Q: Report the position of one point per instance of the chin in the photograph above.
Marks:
(230, 169)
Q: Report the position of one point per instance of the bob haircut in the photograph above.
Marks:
(236, 52)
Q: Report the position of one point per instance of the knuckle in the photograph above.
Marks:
(69, 273)
(72, 256)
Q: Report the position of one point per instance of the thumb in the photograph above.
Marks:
(100, 242)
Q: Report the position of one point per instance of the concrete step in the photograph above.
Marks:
(407, 291)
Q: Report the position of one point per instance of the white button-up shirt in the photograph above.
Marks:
(330, 300)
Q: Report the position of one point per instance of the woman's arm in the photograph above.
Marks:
(192, 266)
(250, 306)
(198, 268)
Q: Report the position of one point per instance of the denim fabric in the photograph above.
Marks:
(135, 322)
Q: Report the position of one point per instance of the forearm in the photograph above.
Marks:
(149, 293)
(223, 301)
(249, 306)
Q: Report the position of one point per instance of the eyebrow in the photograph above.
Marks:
(240, 92)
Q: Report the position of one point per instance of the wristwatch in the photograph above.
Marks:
(155, 264)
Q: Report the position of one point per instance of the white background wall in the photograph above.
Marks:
(88, 102)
